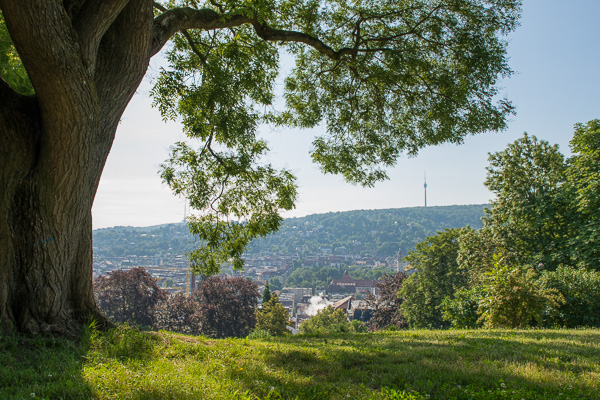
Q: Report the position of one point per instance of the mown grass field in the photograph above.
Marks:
(128, 364)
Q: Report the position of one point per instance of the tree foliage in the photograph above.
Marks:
(530, 263)
(580, 289)
(266, 296)
(276, 283)
(11, 68)
(582, 188)
(273, 317)
(326, 320)
(437, 276)
(385, 77)
(514, 297)
(386, 304)
(528, 217)
(533, 263)
(129, 296)
(462, 308)
(178, 313)
(227, 306)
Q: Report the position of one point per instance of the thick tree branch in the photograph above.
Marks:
(92, 22)
(187, 35)
(47, 44)
(267, 33)
(179, 19)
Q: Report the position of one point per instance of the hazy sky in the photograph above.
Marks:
(555, 54)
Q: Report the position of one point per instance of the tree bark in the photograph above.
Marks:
(56, 145)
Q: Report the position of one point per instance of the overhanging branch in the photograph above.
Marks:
(267, 33)
(178, 19)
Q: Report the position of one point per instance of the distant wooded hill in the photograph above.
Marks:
(380, 233)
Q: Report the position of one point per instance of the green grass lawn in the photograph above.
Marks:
(127, 364)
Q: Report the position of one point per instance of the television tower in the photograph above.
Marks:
(425, 186)
(184, 210)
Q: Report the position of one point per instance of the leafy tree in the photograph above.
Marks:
(273, 317)
(462, 308)
(386, 304)
(327, 320)
(544, 217)
(178, 313)
(581, 291)
(437, 276)
(385, 77)
(266, 294)
(527, 218)
(276, 284)
(514, 297)
(582, 188)
(227, 306)
(129, 296)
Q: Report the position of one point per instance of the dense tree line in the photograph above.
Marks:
(535, 262)
(377, 232)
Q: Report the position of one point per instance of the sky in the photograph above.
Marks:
(555, 55)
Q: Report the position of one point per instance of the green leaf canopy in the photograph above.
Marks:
(383, 77)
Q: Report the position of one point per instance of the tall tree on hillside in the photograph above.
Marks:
(266, 296)
(528, 221)
(437, 276)
(386, 77)
(582, 188)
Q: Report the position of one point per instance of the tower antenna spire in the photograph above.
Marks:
(425, 186)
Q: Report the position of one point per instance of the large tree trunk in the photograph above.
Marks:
(45, 230)
(54, 146)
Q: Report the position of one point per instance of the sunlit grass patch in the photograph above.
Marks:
(413, 365)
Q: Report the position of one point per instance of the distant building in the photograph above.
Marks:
(344, 304)
(347, 285)
(298, 293)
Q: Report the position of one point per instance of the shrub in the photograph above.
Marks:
(128, 296)
(227, 306)
(327, 320)
(581, 291)
(179, 313)
(358, 326)
(515, 298)
(273, 317)
(461, 309)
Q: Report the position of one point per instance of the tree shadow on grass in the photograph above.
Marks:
(42, 367)
(454, 365)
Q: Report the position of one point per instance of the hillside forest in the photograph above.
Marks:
(381, 233)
